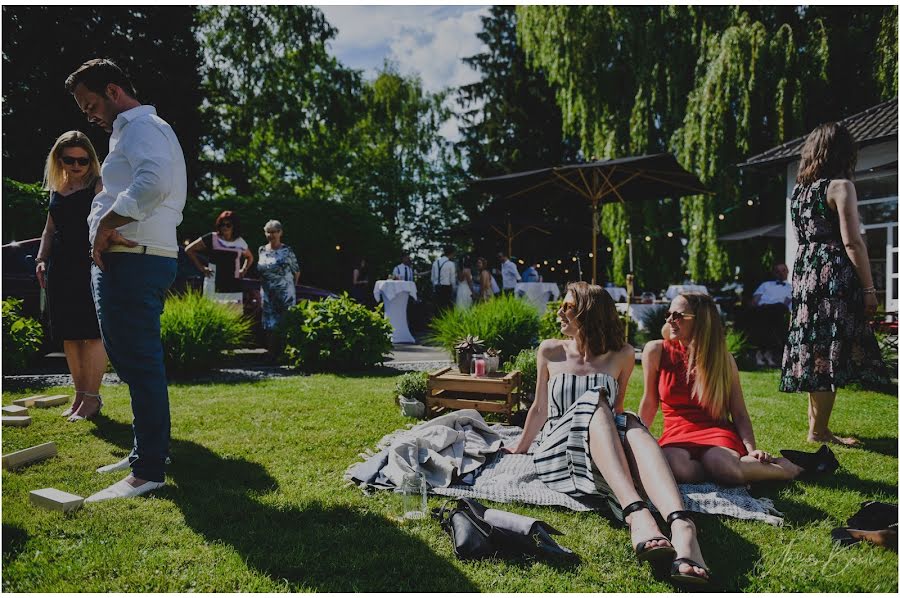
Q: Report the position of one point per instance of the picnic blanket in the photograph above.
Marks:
(512, 478)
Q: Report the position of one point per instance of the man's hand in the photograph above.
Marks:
(107, 237)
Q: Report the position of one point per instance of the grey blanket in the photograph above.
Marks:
(512, 478)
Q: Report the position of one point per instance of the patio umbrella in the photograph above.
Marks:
(624, 179)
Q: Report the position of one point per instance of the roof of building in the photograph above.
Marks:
(878, 123)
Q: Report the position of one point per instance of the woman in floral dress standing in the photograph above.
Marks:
(279, 272)
(830, 342)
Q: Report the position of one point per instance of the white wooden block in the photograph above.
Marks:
(19, 421)
(51, 401)
(15, 410)
(28, 401)
(55, 500)
(29, 455)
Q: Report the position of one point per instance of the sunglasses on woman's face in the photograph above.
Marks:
(677, 316)
(69, 161)
(567, 306)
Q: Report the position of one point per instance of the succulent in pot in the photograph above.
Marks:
(492, 360)
(465, 348)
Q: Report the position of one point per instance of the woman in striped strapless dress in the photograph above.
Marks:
(589, 447)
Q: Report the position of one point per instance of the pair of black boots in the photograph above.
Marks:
(875, 522)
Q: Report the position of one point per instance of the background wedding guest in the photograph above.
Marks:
(228, 255)
(531, 274)
(443, 278)
(487, 284)
(361, 290)
(465, 293)
(279, 272)
(769, 316)
(72, 176)
(830, 342)
(508, 272)
(404, 270)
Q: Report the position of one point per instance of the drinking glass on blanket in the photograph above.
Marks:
(413, 496)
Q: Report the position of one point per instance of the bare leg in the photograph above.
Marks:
(684, 469)
(609, 456)
(656, 478)
(93, 364)
(819, 413)
(727, 467)
(72, 349)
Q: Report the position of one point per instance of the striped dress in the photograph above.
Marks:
(563, 458)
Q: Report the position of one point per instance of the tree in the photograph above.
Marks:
(42, 45)
(277, 104)
(401, 167)
(712, 84)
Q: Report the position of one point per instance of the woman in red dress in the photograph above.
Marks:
(707, 434)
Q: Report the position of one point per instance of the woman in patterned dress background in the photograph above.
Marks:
(279, 272)
(830, 342)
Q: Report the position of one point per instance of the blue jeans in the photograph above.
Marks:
(129, 298)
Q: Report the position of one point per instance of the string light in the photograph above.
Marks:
(337, 247)
(574, 259)
(609, 250)
(670, 234)
(647, 238)
(628, 240)
(721, 216)
(559, 262)
(590, 255)
(552, 269)
(567, 270)
(522, 262)
(545, 262)
(749, 202)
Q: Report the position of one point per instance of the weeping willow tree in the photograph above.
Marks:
(713, 85)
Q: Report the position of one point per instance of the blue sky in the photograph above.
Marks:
(430, 41)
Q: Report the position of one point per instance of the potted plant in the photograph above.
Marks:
(465, 348)
(492, 360)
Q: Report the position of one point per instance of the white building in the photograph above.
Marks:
(875, 130)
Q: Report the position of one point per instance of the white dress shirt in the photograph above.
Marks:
(443, 272)
(510, 274)
(772, 292)
(403, 272)
(144, 177)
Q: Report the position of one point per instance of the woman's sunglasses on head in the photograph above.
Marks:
(69, 161)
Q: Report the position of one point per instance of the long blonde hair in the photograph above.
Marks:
(708, 361)
(54, 174)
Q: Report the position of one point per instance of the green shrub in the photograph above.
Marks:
(24, 210)
(504, 322)
(335, 335)
(549, 327)
(413, 385)
(740, 348)
(21, 336)
(195, 330)
(526, 362)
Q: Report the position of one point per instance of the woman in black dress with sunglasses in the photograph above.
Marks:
(72, 176)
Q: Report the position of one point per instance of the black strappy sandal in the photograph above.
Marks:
(642, 552)
(675, 574)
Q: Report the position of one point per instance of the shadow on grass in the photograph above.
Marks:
(327, 548)
(885, 445)
(373, 372)
(14, 540)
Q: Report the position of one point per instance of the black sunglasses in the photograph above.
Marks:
(677, 316)
(69, 160)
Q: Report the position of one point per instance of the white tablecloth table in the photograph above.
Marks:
(617, 293)
(676, 289)
(640, 312)
(395, 294)
(538, 293)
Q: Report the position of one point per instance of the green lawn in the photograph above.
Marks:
(256, 502)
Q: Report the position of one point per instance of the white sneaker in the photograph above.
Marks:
(122, 489)
(760, 360)
(118, 466)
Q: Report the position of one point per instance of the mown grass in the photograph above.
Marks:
(255, 501)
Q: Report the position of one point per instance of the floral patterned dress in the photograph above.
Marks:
(276, 269)
(830, 342)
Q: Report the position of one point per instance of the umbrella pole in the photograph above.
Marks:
(595, 231)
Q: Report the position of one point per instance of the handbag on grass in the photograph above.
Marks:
(478, 532)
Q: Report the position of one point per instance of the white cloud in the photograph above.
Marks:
(430, 41)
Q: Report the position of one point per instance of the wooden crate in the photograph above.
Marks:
(495, 393)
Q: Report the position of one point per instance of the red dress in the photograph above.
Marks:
(686, 424)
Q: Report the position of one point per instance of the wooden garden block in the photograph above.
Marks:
(28, 401)
(51, 401)
(19, 421)
(15, 410)
(29, 455)
(55, 500)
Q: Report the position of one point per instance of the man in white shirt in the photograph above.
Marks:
(403, 270)
(132, 229)
(509, 273)
(771, 309)
(443, 278)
